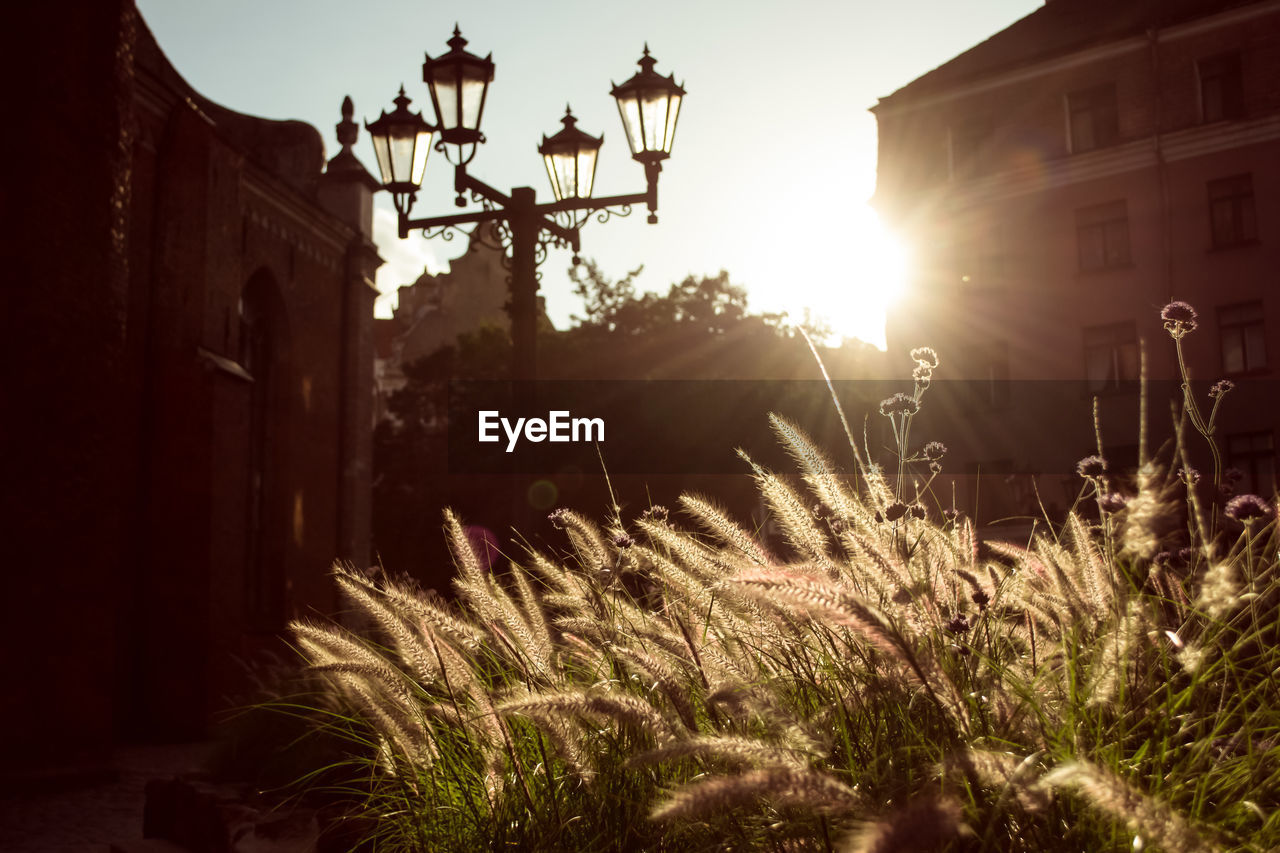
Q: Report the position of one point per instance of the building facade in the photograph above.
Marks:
(1059, 184)
(435, 310)
(190, 332)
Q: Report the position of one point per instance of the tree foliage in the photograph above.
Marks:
(701, 329)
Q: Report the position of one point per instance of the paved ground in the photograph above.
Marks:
(89, 818)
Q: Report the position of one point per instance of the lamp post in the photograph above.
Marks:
(458, 82)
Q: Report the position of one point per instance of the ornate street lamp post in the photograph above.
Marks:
(459, 83)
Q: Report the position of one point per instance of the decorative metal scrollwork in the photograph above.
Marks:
(607, 213)
(445, 232)
(572, 219)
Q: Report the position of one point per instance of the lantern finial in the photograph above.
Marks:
(347, 130)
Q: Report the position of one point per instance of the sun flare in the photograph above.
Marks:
(875, 276)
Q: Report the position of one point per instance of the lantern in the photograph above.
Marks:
(649, 105)
(459, 81)
(570, 157)
(402, 141)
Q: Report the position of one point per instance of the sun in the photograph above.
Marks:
(873, 275)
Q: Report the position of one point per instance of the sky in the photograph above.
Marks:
(774, 159)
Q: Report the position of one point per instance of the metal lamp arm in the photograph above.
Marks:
(464, 182)
(407, 225)
(649, 197)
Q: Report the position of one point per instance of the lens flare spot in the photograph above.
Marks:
(543, 494)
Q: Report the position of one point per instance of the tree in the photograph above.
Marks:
(700, 329)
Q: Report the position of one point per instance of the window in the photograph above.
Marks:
(1092, 118)
(968, 139)
(1254, 454)
(1243, 334)
(1102, 236)
(1221, 87)
(1232, 220)
(1110, 355)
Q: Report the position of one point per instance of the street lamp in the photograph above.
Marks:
(570, 157)
(402, 141)
(458, 81)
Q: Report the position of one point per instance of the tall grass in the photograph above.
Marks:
(888, 682)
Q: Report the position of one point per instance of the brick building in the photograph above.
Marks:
(1060, 183)
(188, 387)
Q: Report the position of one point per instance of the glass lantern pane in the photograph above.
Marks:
(402, 154)
(586, 172)
(446, 92)
(472, 92)
(383, 150)
(653, 112)
(549, 162)
(673, 112)
(420, 152)
(566, 174)
(629, 109)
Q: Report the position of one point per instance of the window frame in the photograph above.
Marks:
(1241, 328)
(1121, 346)
(1100, 105)
(1225, 72)
(1110, 223)
(1235, 194)
(1247, 460)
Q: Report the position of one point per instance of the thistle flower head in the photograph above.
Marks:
(1247, 509)
(1114, 502)
(1178, 558)
(899, 404)
(895, 511)
(1190, 476)
(952, 515)
(1091, 467)
(958, 625)
(623, 541)
(934, 450)
(1179, 319)
(925, 357)
(655, 513)
(1220, 388)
